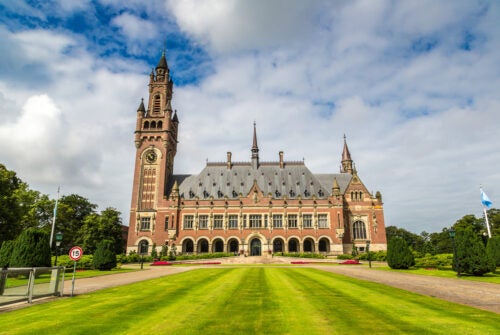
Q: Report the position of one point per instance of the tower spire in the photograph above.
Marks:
(346, 158)
(255, 148)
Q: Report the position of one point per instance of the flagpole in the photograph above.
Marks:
(487, 223)
(54, 218)
(486, 204)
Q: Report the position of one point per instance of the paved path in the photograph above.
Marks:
(476, 294)
(86, 285)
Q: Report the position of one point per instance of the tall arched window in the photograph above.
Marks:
(156, 104)
(359, 230)
(143, 247)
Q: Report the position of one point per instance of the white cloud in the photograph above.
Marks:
(242, 25)
(421, 124)
(135, 28)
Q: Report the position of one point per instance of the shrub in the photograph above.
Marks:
(31, 249)
(399, 255)
(303, 255)
(200, 256)
(154, 253)
(470, 254)
(133, 257)
(84, 263)
(493, 249)
(6, 253)
(434, 261)
(104, 256)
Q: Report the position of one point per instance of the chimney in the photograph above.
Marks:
(282, 164)
(229, 160)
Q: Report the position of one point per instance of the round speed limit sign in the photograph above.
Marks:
(75, 253)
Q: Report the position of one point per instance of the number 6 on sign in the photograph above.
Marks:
(75, 253)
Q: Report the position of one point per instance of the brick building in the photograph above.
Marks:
(252, 207)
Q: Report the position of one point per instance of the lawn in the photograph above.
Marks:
(45, 278)
(250, 300)
(449, 273)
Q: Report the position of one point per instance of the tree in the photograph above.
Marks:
(493, 249)
(31, 249)
(399, 255)
(6, 253)
(71, 213)
(97, 227)
(10, 211)
(416, 241)
(470, 254)
(104, 256)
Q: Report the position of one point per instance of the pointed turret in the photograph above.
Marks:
(255, 149)
(346, 159)
(163, 62)
(335, 188)
(175, 118)
(141, 107)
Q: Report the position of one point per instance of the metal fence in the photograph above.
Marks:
(26, 284)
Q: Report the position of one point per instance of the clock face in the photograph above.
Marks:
(151, 156)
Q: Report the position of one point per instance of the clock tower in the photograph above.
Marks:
(156, 145)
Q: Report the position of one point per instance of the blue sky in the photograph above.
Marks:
(413, 84)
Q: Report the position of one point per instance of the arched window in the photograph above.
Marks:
(159, 125)
(153, 124)
(146, 125)
(156, 104)
(359, 230)
(143, 247)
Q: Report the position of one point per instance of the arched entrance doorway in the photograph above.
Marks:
(188, 246)
(233, 246)
(218, 246)
(203, 246)
(308, 245)
(255, 247)
(324, 245)
(278, 245)
(293, 245)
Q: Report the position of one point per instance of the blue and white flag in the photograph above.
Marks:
(485, 200)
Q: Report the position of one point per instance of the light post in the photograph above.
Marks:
(368, 251)
(59, 237)
(451, 232)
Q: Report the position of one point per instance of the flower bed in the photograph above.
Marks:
(159, 263)
(350, 261)
(299, 262)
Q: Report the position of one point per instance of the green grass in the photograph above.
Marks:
(449, 273)
(45, 278)
(250, 300)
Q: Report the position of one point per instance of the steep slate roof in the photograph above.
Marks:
(293, 180)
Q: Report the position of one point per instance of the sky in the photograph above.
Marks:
(414, 86)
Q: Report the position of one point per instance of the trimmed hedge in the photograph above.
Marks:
(301, 255)
(434, 261)
(199, 256)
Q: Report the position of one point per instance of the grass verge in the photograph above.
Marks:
(251, 301)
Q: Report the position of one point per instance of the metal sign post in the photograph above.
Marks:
(75, 254)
